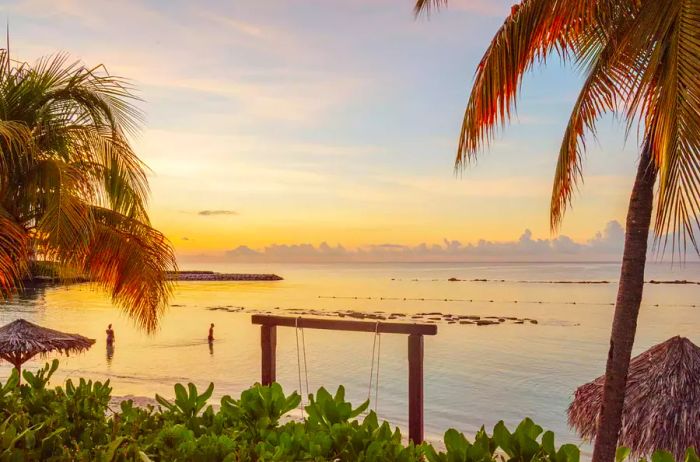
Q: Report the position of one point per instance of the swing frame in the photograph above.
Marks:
(268, 342)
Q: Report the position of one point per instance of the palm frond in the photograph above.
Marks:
(666, 97)
(16, 145)
(533, 30)
(426, 6)
(131, 260)
(62, 216)
(14, 254)
(118, 173)
(72, 190)
(605, 85)
(67, 92)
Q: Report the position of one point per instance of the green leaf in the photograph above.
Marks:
(113, 447)
(691, 455)
(12, 382)
(340, 394)
(180, 394)
(165, 403)
(456, 443)
(359, 410)
(503, 438)
(528, 429)
(622, 454)
(569, 453)
(201, 400)
(548, 443)
(292, 402)
(662, 456)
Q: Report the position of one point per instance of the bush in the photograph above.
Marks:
(74, 423)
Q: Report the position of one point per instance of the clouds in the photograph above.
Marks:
(213, 213)
(604, 245)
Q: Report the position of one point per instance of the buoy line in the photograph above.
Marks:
(472, 300)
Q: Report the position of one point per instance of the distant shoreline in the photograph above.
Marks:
(43, 280)
(214, 276)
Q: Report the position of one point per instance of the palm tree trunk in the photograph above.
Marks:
(629, 297)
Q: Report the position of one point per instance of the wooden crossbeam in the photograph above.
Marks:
(383, 327)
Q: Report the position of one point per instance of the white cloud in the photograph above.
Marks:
(211, 213)
(605, 245)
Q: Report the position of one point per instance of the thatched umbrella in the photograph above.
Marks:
(21, 340)
(662, 401)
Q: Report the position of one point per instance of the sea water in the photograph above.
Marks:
(474, 375)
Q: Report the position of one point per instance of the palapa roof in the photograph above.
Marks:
(24, 338)
(662, 402)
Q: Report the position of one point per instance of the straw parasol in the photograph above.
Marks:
(662, 401)
(21, 340)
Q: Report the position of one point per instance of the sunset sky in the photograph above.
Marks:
(311, 121)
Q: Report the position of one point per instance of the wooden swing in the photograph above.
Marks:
(268, 342)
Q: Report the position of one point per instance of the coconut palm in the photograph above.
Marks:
(72, 190)
(641, 60)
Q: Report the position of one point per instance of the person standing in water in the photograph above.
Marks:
(110, 335)
(211, 333)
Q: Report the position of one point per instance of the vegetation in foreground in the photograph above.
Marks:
(73, 422)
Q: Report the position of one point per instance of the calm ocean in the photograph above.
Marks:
(473, 375)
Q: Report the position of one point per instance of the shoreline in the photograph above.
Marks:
(214, 276)
(42, 280)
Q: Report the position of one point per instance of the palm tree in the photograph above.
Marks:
(641, 60)
(72, 190)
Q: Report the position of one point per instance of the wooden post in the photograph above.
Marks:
(415, 388)
(268, 342)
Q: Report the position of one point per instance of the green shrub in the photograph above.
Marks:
(73, 422)
(658, 456)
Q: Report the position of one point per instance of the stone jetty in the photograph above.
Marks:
(214, 276)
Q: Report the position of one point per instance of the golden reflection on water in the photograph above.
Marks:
(474, 375)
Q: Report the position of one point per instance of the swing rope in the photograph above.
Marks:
(376, 346)
(376, 383)
(301, 358)
(371, 370)
(306, 371)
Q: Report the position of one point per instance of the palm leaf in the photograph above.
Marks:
(131, 260)
(16, 146)
(63, 219)
(14, 254)
(119, 175)
(426, 6)
(605, 85)
(666, 98)
(533, 30)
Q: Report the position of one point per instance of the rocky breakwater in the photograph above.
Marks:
(214, 276)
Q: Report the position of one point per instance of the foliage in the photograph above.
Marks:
(522, 445)
(74, 422)
(73, 193)
(260, 408)
(658, 456)
(188, 404)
